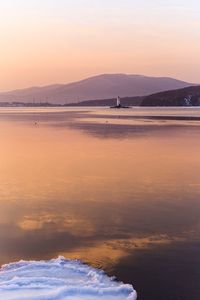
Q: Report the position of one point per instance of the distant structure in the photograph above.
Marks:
(119, 104)
(118, 101)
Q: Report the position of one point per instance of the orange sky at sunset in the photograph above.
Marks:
(57, 41)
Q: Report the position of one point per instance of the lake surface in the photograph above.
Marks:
(119, 189)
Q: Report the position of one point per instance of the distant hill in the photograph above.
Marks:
(189, 96)
(126, 101)
(106, 86)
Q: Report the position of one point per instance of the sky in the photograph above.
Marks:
(58, 41)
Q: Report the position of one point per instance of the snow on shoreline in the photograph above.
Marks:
(59, 279)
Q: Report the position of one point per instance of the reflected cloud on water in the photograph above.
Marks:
(115, 192)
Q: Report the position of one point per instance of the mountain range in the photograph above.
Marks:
(189, 96)
(104, 86)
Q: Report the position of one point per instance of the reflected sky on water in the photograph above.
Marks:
(118, 189)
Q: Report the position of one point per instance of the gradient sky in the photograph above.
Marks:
(57, 41)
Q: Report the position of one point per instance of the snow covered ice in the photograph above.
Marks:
(59, 279)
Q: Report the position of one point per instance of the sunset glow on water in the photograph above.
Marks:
(109, 194)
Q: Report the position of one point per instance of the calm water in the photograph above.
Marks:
(118, 189)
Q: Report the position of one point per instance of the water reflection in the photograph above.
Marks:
(112, 196)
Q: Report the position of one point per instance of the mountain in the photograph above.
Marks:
(189, 96)
(103, 86)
